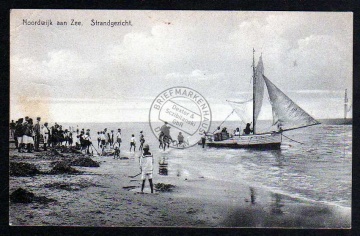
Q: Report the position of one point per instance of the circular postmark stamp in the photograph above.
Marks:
(179, 116)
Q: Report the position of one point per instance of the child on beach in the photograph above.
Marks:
(116, 150)
(132, 142)
(146, 167)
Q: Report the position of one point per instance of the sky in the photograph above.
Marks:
(112, 74)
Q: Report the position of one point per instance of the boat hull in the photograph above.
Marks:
(261, 141)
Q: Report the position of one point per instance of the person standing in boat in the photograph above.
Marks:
(217, 134)
(146, 167)
(247, 129)
(237, 132)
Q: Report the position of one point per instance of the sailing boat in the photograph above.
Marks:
(287, 115)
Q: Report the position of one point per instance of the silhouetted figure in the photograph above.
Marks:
(247, 129)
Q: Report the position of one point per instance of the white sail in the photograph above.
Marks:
(258, 88)
(241, 110)
(286, 114)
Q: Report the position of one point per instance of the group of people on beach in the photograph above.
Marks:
(25, 134)
(28, 136)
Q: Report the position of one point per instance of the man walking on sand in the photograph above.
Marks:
(146, 167)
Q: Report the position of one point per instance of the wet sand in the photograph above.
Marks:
(107, 196)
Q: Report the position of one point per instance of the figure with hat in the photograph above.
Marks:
(37, 134)
(146, 167)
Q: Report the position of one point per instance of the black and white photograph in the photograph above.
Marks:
(200, 119)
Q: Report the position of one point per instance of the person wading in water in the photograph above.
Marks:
(132, 142)
(142, 141)
(166, 138)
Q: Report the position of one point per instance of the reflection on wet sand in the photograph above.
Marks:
(279, 158)
(252, 195)
(276, 204)
(163, 167)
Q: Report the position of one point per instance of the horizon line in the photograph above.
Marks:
(102, 122)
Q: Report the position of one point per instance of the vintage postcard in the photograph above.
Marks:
(180, 118)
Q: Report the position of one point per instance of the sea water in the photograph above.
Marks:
(314, 163)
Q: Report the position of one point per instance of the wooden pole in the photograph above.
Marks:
(254, 86)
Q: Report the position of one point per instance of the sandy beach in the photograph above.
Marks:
(108, 196)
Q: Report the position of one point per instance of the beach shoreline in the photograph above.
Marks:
(107, 196)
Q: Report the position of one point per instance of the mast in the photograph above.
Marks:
(345, 105)
(254, 83)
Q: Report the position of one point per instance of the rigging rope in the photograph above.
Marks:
(242, 102)
(225, 119)
(292, 139)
